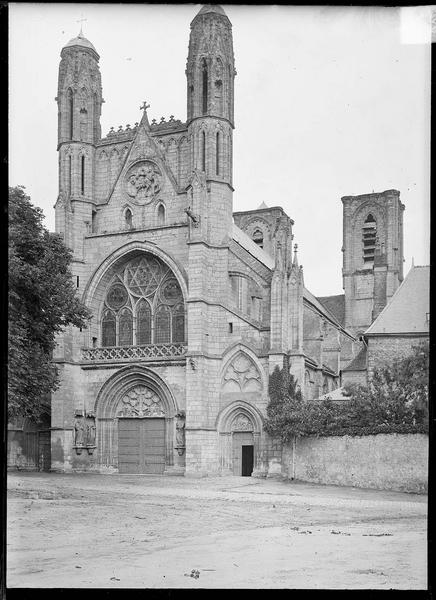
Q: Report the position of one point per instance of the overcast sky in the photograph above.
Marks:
(328, 102)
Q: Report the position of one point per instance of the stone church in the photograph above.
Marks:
(193, 305)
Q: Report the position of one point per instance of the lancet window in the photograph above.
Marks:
(143, 305)
(369, 235)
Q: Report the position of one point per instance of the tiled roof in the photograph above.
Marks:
(336, 305)
(409, 308)
(246, 242)
(358, 363)
(337, 394)
(322, 309)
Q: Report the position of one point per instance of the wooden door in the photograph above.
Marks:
(141, 445)
(44, 451)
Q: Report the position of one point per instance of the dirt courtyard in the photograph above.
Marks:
(136, 531)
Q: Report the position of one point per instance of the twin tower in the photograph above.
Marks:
(373, 244)
(210, 73)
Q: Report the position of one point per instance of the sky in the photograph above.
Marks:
(329, 102)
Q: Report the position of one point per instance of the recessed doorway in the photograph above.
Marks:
(141, 445)
(243, 453)
(247, 460)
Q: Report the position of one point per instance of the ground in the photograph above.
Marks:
(130, 531)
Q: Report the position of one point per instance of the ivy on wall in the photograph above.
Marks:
(396, 401)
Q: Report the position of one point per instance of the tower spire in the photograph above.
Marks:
(81, 21)
(295, 260)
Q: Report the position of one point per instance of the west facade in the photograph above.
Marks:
(192, 305)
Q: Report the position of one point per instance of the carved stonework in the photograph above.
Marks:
(90, 432)
(143, 182)
(79, 432)
(140, 402)
(242, 375)
(180, 432)
(242, 423)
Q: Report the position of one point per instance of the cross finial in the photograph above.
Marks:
(81, 21)
(144, 106)
(295, 247)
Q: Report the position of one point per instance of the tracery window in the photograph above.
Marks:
(143, 305)
(126, 327)
(179, 323)
(162, 325)
(143, 323)
(108, 329)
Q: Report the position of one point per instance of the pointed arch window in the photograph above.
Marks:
(128, 217)
(70, 175)
(325, 386)
(96, 117)
(204, 86)
(162, 331)
(109, 327)
(369, 235)
(161, 214)
(217, 156)
(143, 323)
(70, 113)
(125, 326)
(203, 151)
(178, 323)
(82, 174)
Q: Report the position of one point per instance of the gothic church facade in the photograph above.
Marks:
(192, 305)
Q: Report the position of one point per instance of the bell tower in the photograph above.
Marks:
(372, 255)
(210, 73)
(79, 102)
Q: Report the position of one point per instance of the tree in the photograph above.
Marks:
(396, 401)
(42, 302)
(285, 406)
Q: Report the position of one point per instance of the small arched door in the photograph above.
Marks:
(242, 446)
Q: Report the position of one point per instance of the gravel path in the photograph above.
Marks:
(149, 531)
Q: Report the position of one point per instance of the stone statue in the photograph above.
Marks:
(180, 430)
(90, 434)
(79, 431)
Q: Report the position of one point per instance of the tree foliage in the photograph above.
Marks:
(42, 302)
(396, 401)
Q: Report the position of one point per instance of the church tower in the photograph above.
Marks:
(372, 255)
(210, 72)
(79, 102)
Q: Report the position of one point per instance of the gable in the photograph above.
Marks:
(143, 175)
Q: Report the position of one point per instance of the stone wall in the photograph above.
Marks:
(384, 350)
(386, 461)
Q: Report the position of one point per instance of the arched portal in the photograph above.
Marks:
(135, 413)
(240, 427)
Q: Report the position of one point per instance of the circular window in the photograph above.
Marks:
(116, 296)
(171, 292)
